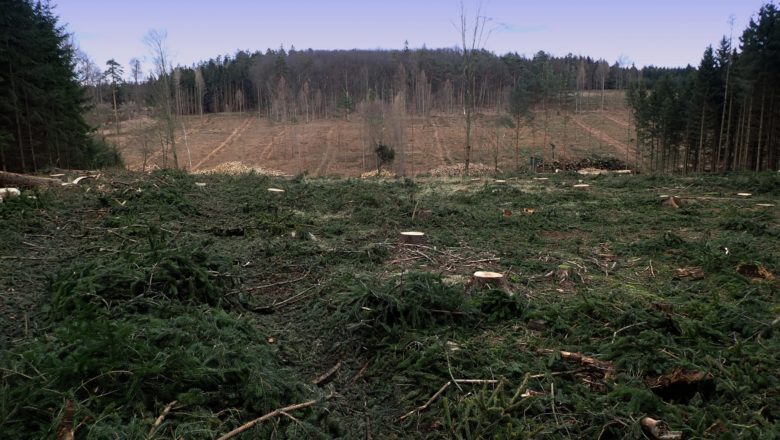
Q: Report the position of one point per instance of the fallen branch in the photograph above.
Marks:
(324, 378)
(357, 375)
(280, 283)
(443, 388)
(160, 419)
(290, 300)
(582, 359)
(65, 430)
(270, 415)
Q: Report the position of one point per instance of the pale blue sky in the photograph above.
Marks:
(658, 32)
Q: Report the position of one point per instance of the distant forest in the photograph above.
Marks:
(720, 116)
(302, 84)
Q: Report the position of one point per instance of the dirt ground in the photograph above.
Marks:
(337, 147)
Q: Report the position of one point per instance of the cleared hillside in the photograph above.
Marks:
(327, 147)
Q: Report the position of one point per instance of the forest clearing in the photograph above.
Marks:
(236, 301)
(504, 238)
(337, 146)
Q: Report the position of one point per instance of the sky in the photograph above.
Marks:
(666, 33)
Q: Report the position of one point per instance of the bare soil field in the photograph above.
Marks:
(337, 147)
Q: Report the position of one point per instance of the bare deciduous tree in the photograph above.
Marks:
(473, 39)
(155, 41)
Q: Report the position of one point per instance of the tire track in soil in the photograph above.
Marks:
(265, 154)
(620, 146)
(445, 155)
(617, 121)
(326, 154)
(237, 132)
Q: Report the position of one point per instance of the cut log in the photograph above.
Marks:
(658, 430)
(412, 237)
(489, 280)
(25, 181)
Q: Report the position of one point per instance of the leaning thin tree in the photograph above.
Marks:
(476, 34)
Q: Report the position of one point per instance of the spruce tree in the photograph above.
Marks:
(41, 101)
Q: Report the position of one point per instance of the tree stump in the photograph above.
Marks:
(277, 191)
(489, 280)
(744, 195)
(412, 237)
(499, 181)
(582, 187)
(671, 202)
(563, 273)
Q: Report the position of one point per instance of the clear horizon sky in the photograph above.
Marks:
(667, 33)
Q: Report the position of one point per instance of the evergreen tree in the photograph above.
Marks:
(41, 101)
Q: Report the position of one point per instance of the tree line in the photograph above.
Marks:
(722, 116)
(41, 100)
(299, 85)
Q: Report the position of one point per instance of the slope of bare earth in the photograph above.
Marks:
(337, 147)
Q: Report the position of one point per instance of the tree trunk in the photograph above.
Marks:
(727, 142)
(760, 129)
(25, 181)
(116, 111)
(747, 135)
(29, 133)
(699, 159)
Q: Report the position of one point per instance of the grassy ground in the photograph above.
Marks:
(224, 302)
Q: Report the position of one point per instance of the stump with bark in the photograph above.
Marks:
(412, 237)
(489, 280)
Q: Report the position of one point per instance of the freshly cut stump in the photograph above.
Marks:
(484, 279)
(765, 205)
(499, 181)
(745, 195)
(275, 191)
(582, 187)
(412, 237)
